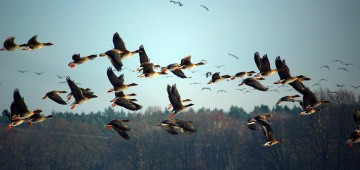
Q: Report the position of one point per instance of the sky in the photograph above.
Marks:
(307, 34)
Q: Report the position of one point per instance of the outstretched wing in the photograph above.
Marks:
(19, 102)
(114, 80)
(118, 42)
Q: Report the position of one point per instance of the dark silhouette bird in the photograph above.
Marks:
(339, 61)
(217, 78)
(144, 59)
(60, 77)
(287, 99)
(253, 82)
(325, 66)
(206, 88)
(342, 68)
(219, 66)
(224, 91)
(175, 100)
(80, 60)
(355, 87)
(23, 111)
(33, 44)
(182, 102)
(340, 85)
(79, 95)
(242, 74)
(119, 127)
(233, 55)
(114, 58)
(120, 47)
(310, 102)
(117, 82)
(127, 104)
(208, 74)
(39, 73)
(263, 65)
(86, 92)
(10, 45)
(174, 2)
(205, 7)
(54, 96)
(22, 71)
(195, 83)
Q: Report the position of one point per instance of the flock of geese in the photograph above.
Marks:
(19, 112)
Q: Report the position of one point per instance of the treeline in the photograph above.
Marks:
(222, 141)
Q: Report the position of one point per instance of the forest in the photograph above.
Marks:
(222, 141)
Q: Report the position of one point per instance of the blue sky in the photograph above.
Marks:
(306, 34)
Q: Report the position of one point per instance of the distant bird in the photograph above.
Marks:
(22, 71)
(217, 78)
(288, 99)
(117, 82)
(316, 84)
(38, 118)
(321, 80)
(60, 77)
(175, 100)
(241, 89)
(274, 90)
(242, 74)
(263, 65)
(54, 96)
(248, 91)
(195, 83)
(187, 64)
(347, 64)
(205, 7)
(340, 85)
(355, 87)
(193, 71)
(224, 91)
(180, 4)
(232, 55)
(173, 2)
(288, 80)
(80, 60)
(325, 66)
(13, 113)
(33, 44)
(219, 66)
(339, 61)
(39, 73)
(21, 107)
(253, 82)
(167, 77)
(10, 45)
(80, 97)
(119, 127)
(310, 102)
(206, 88)
(342, 68)
(127, 104)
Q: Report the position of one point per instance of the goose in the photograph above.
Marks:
(117, 82)
(127, 103)
(119, 127)
(54, 96)
(148, 71)
(9, 44)
(284, 73)
(114, 58)
(38, 118)
(33, 44)
(21, 107)
(175, 100)
(11, 114)
(252, 81)
(263, 65)
(80, 60)
(120, 48)
(120, 94)
(217, 78)
(288, 80)
(269, 135)
(175, 68)
(187, 64)
(242, 74)
(79, 96)
(144, 59)
(287, 98)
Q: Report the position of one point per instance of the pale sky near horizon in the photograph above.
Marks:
(307, 34)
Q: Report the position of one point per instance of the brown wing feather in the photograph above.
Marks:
(118, 42)
(114, 80)
(19, 102)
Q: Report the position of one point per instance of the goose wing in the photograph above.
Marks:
(75, 91)
(19, 102)
(179, 73)
(170, 129)
(128, 104)
(215, 76)
(143, 56)
(173, 99)
(115, 59)
(32, 41)
(9, 42)
(56, 98)
(187, 126)
(257, 59)
(265, 64)
(114, 80)
(121, 132)
(186, 60)
(309, 98)
(256, 84)
(118, 42)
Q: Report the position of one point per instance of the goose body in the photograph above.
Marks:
(119, 127)
(175, 100)
(80, 60)
(33, 44)
(78, 94)
(10, 45)
(54, 96)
